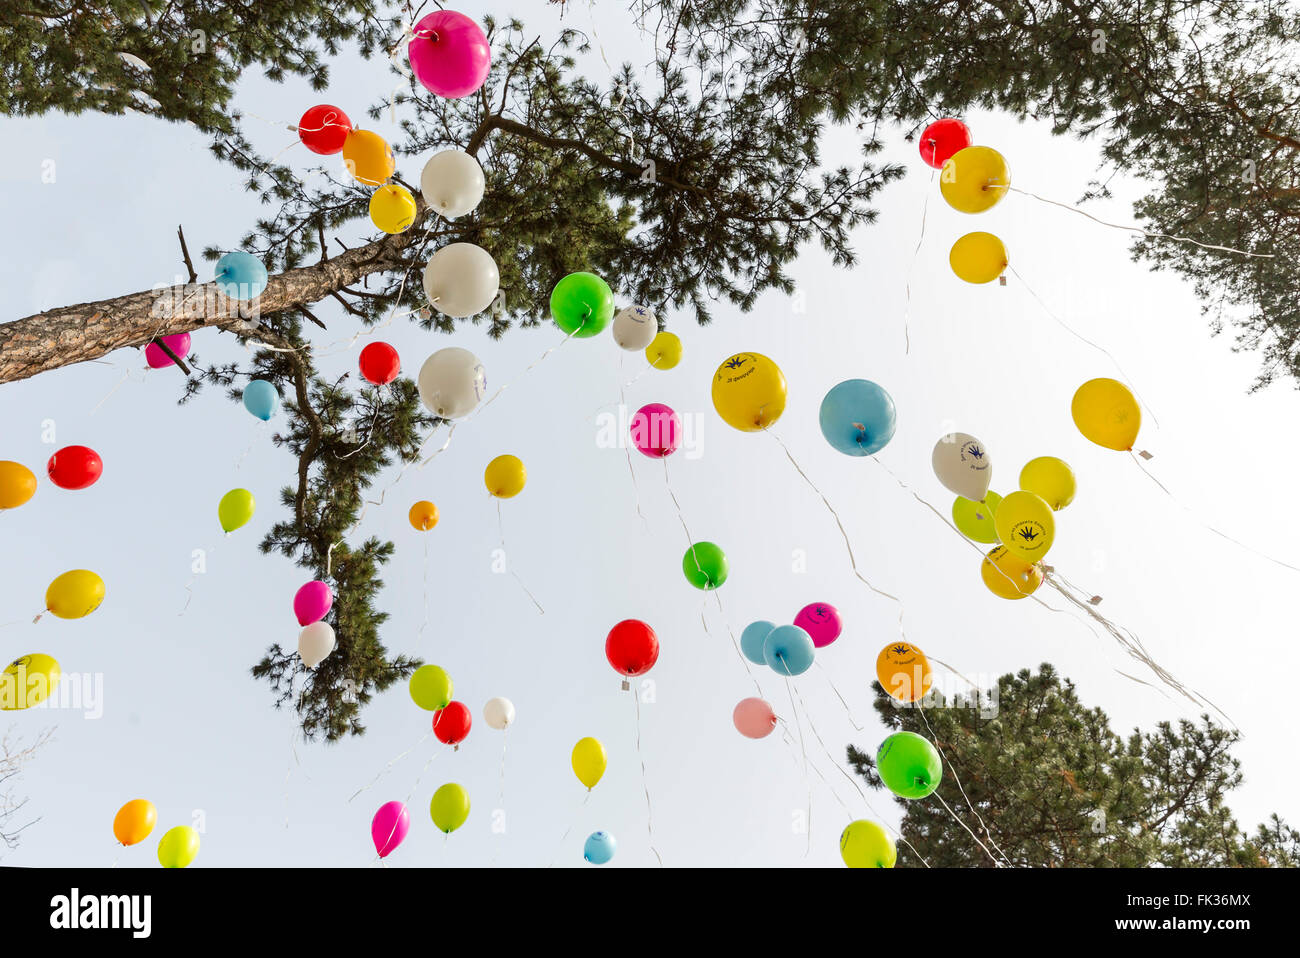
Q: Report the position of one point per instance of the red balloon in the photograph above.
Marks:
(380, 363)
(941, 139)
(323, 129)
(632, 647)
(75, 467)
(451, 724)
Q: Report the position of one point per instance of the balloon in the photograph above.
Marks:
(430, 688)
(978, 258)
(449, 807)
(75, 467)
(392, 208)
(423, 515)
(17, 484)
(1050, 478)
(235, 509)
(705, 566)
(134, 821)
(941, 139)
(389, 827)
(632, 647)
(865, 844)
(974, 179)
(749, 392)
(380, 363)
(656, 430)
(588, 761)
(323, 129)
(451, 724)
(789, 650)
(449, 55)
(179, 343)
(262, 399)
(74, 594)
(821, 621)
(315, 643)
(599, 848)
(461, 279)
(909, 765)
(368, 157)
(582, 304)
(904, 672)
(451, 382)
(241, 275)
(312, 602)
(452, 183)
(754, 718)
(1107, 413)
(505, 476)
(664, 351)
(1025, 525)
(752, 639)
(962, 464)
(178, 847)
(857, 417)
(499, 713)
(28, 680)
(975, 519)
(635, 328)
(1008, 576)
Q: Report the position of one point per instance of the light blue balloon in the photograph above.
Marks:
(599, 848)
(789, 650)
(751, 640)
(857, 417)
(241, 275)
(261, 399)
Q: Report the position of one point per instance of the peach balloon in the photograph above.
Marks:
(754, 718)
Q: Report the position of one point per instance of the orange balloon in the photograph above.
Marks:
(904, 671)
(134, 821)
(423, 515)
(1009, 576)
(368, 157)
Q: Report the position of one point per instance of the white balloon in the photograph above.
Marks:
(452, 183)
(461, 280)
(499, 713)
(452, 382)
(635, 328)
(314, 643)
(963, 465)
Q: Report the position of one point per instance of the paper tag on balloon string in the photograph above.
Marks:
(1146, 455)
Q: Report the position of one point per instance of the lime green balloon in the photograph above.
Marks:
(975, 519)
(865, 844)
(431, 687)
(178, 847)
(582, 304)
(909, 765)
(450, 807)
(235, 509)
(705, 565)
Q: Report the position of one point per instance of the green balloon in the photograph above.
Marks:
(705, 565)
(909, 765)
(975, 519)
(450, 807)
(431, 687)
(178, 847)
(582, 304)
(235, 508)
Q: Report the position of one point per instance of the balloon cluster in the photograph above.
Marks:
(135, 821)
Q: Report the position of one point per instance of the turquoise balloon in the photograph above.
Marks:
(789, 650)
(582, 304)
(909, 765)
(752, 639)
(241, 275)
(857, 417)
(599, 848)
(262, 399)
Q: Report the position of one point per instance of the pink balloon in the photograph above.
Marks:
(656, 430)
(754, 718)
(450, 55)
(820, 620)
(389, 827)
(312, 603)
(157, 359)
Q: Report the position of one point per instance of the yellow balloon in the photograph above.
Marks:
(975, 519)
(28, 681)
(974, 179)
(368, 157)
(1050, 478)
(134, 821)
(235, 509)
(1107, 413)
(589, 761)
(978, 258)
(1025, 525)
(664, 351)
(904, 671)
(749, 392)
(1008, 576)
(74, 594)
(865, 844)
(17, 484)
(423, 515)
(178, 847)
(392, 208)
(505, 476)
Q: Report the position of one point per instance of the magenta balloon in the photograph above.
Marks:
(157, 359)
(821, 621)
(389, 827)
(656, 430)
(312, 603)
(754, 718)
(450, 56)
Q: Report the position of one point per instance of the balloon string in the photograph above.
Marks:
(645, 785)
(911, 267)
(120, 383)
(735, 644)
(529, 368)
(420, 634)
(501, 793)
(194, 576)
(803, 749)
(829, 681)
(510, 565)
(563, 838)
(257, 435)
(627, 446)
(996, 862)
(391, 762)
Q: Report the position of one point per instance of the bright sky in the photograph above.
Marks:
(184, 725)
